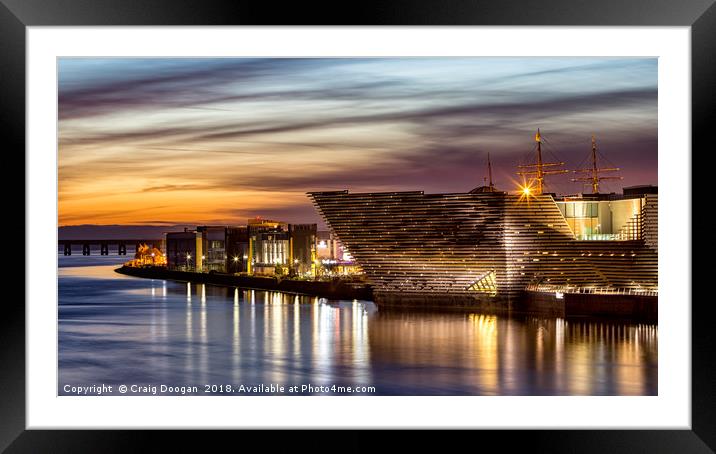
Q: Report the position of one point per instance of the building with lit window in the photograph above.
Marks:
(302, 239)
(261, 247)
(213, 248)
(237, 249)
(332, 259)
(489, 247)
(269, 252)
(268, 246)
(611, 217)
(198, 250)
(281, 248)
(181, 250)
(327, 246)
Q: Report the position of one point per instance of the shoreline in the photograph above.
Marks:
(612, 307)
(322, 289)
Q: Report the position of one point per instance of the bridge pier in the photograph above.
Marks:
(104, 245)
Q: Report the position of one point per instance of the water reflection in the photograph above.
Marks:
(118, 330)
(449, 353)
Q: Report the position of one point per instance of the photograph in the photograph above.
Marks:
(423, 219)
(358, 226)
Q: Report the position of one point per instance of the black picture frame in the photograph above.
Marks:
(700, 15)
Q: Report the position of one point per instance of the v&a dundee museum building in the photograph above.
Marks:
(488, 249)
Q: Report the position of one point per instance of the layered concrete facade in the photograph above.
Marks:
(479, 248)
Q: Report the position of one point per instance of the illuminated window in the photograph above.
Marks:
(485, 284)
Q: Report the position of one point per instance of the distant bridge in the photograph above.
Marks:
(66, 245)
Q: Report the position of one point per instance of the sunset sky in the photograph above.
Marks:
(215, 141)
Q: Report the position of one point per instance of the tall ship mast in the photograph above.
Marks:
(539, 172)
(593, 172)
(489, 172)
(489, 185)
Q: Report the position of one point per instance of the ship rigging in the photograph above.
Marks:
(593, 172)
(534, 173)
(539, 171)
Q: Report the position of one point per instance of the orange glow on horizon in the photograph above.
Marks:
(217, 140)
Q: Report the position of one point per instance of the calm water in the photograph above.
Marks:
(117, 330)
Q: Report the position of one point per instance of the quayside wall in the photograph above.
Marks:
(627, 307)
(324, 289)
(631, 307)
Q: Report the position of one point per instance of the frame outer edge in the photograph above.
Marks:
(12, 320)
(12, 119)
(703, 102)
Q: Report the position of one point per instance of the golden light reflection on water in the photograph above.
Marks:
(441, 352)
(484, 339)
(236, 343)
(297, 327)
(203, 340)
(259, 336)
(276, 335)
(189, 354)
(499, 355)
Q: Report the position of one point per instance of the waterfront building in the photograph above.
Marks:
(147, 256)
(269, 251)
(487, 247)
(213, 248)
(268, 246)
(303, 249)
(237, 249)
(628, 216)
(181, 250)
(327, 246)
(331, 258)
(201, 250)
(263, 247)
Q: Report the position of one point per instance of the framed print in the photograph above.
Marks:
(439, 218)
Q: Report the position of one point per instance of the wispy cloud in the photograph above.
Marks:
(191, 140)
